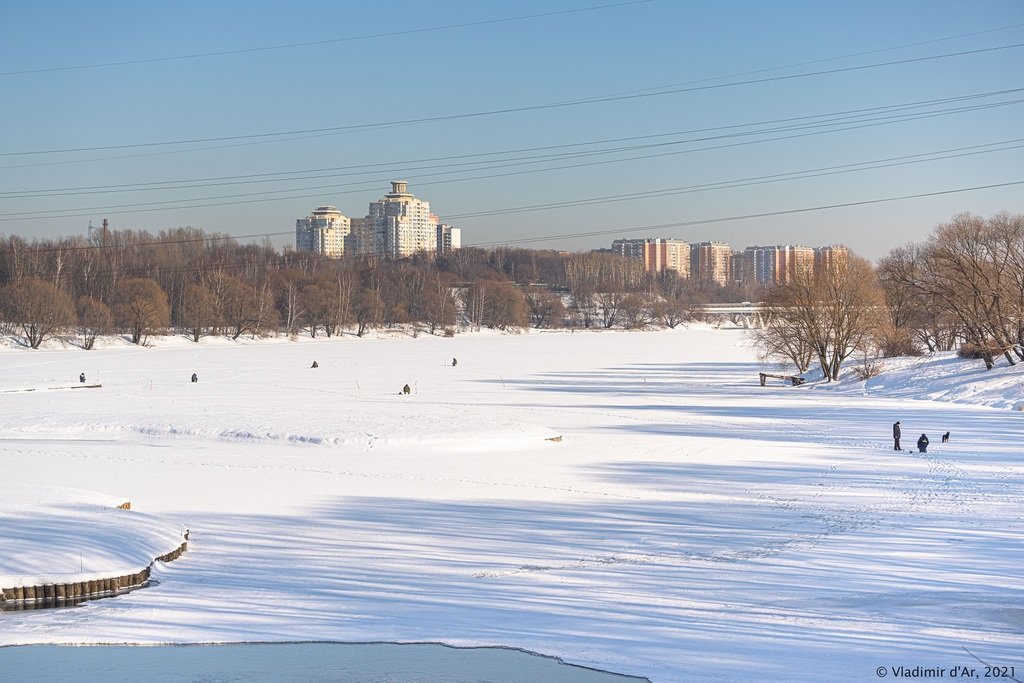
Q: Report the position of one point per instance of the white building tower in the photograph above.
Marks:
(401, 224)
(323, 232)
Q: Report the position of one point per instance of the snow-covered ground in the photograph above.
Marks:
(690, 524)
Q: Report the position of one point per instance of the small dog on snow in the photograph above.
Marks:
(945, 437)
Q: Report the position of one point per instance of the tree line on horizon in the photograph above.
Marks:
(963, 287)
(189, 282)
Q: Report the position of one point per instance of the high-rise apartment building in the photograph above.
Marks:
(709, 262)
(323, 232)
(657, 254)
(398, 226)
(448, 238)
(631, 248)
(715, 262)
(795, 262)
(402, 225)
(740, 271)
(830, 258)
(779, 264)
(763, 264)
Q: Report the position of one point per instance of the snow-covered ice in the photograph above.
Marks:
(690, 524)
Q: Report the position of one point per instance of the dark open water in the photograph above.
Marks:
(289, 663)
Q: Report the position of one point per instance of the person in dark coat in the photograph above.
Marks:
(195, 377)
(406, 389)
(896, 435)
(454, 362)
(922, 443)
(315, 365)
(81, 378)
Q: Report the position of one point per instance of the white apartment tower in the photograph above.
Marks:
(448, 238)
(401, 224)
(323, 232)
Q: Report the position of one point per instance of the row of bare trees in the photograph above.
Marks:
(964, 283)
(138, 284)
(963, 286)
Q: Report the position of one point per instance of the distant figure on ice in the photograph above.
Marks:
(406, 389)
(896, 435)
(922, 443)
(945, 437)
(315, 365)
(454, 362)
(195, 378)
(81, 378)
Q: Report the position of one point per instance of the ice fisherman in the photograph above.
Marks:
(922, 443)
(195, 378)
(896, 435)
(81, 378)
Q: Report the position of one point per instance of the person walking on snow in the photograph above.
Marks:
(896, 435)
(922, 443)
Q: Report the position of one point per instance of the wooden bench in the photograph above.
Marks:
(795, 380)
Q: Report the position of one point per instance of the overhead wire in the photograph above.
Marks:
(519, 109)
(955, 153)
(326, 41)
(241, 198)
(278, 176)
(740, 217)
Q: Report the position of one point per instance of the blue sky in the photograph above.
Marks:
(703, 94)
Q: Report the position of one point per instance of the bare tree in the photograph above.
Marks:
(319, 300)
(506, 307)
(369, 310)
(37, 308)
(546, 307)
(140, 308)
(609, 304)
(290, 285)
(94, 319)
(961, 271)
(241, 306)
(781, 339)
(439, 306)
(833, 312)
(199, 312)
(498, 305)
(637, 312)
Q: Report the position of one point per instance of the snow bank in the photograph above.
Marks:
(690, 524)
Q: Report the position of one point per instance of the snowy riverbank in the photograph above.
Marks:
(690, 525)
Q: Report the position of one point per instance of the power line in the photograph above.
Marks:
(510, 110)
(272, 176)
(262, 196)
(834, 59)
(741, 217)
(330, 41)
(757, 180)
(275, 176)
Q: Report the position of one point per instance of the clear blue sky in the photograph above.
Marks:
(361, 64)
